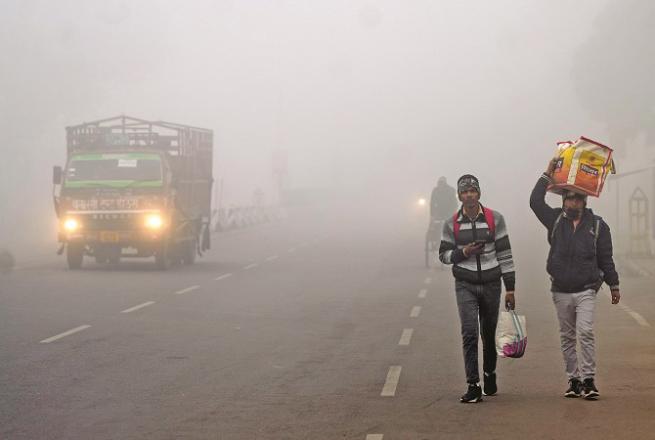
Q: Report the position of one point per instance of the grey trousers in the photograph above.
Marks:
(575, 312)
(478, 312)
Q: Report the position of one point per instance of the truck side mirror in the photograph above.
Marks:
(57, 175)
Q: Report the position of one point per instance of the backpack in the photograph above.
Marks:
(488, 217)
(559, 219)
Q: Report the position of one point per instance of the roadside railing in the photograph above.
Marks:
(238, 217)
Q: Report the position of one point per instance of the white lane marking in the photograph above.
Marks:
(66, 333)
(222, 277)
(187, 290)
(393, 376)
(272, 257)
(140, 306)
(416, 310)
(428, 280)
(422, 293)
(293, 249)
(406, 337)
(636, 316)
(374, 436)
(251, 266)
(640, 319)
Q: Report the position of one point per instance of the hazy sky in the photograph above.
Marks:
(359, 93)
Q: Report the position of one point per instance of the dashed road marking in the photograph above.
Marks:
(64, 334)
(222, 277)
(251, 266)
(422, 293)
(272, 258)
(187, 290)
(406, 337)
(636, 316)
(640, 319)
(428, 280)
(140, 306)
(416, 310)
(393, 376)
(374, 436)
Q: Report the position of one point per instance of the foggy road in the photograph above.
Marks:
(312, 328)
(306, 132)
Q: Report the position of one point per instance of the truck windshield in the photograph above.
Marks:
(119, 170)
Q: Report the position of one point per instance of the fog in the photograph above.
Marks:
(368, 99)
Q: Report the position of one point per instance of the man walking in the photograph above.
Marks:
(579, 261)
(476, 243)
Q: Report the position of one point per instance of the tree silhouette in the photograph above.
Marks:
(614, 71)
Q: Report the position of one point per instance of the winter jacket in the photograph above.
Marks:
(493, 263)
(578, 260)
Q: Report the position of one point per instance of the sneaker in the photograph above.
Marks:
(490, 388)
(473, 394)
(575, 388)
(589, 390)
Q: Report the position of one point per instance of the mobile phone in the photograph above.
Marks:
(479, 243)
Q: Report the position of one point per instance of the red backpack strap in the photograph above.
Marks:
(456, 225)
(491, 222)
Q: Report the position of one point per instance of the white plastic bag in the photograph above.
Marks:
(511, 335)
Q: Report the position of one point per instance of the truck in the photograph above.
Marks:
(133, 188)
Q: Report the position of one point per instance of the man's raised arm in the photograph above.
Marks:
(544, 213)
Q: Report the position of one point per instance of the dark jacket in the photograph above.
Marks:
(576, 261)
(443, 202)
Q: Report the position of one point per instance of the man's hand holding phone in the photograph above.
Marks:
(473, 248)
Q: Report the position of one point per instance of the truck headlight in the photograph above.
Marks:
(154, 221)
(71, 225)
(421, 202)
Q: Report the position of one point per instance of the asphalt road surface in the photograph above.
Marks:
(316, 327)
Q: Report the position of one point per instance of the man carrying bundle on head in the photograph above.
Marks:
(579, 261)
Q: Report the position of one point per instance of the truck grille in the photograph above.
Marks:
(111, 222)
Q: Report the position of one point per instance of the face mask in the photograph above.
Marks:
(572, 213)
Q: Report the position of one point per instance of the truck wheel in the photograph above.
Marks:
(162, 258)
(74, 256)
(6, 261)
(190, 253)
(176, 257)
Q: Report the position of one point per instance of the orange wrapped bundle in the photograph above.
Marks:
(582, 167)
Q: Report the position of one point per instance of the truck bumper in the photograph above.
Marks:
(116, 238)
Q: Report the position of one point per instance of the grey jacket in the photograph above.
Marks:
(493, 263)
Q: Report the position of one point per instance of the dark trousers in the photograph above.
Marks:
(478, 312)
